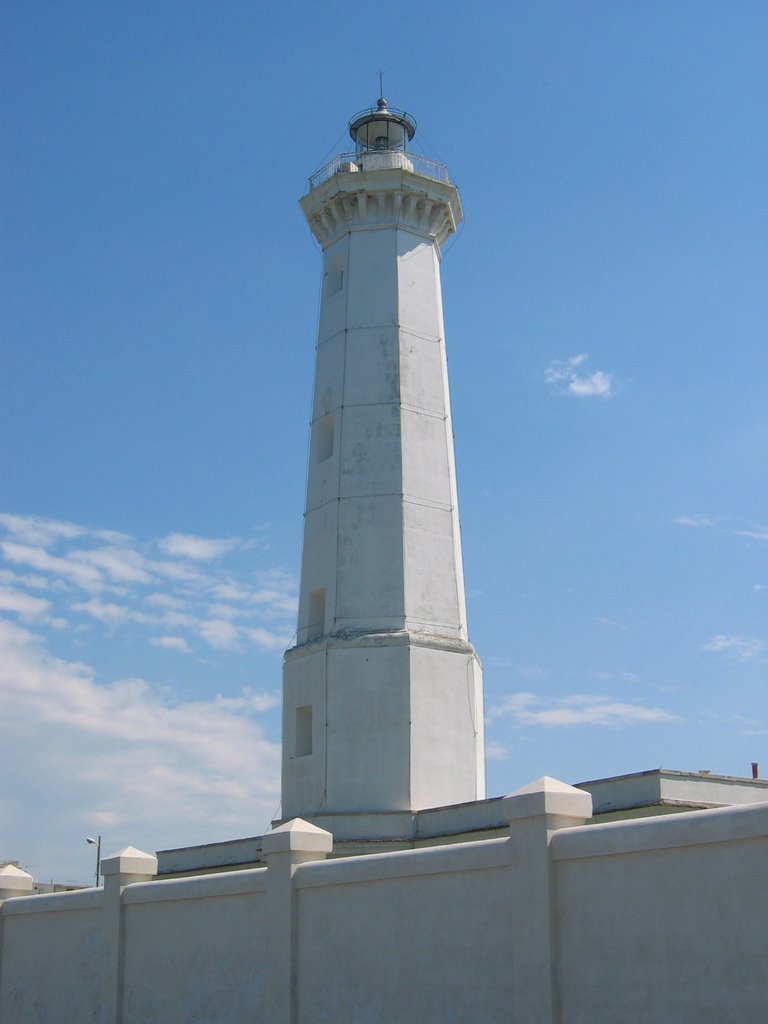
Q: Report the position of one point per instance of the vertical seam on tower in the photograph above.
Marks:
(324, 801)
(399, 398)
(340, 432)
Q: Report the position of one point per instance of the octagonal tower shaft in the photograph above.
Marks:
(382, 692)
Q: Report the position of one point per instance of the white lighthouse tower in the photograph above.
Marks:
(382, 693)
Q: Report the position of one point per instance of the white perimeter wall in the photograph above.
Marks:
(430, 926)
(654, 920)
(195, 949)
(673, 913)
(52, 958)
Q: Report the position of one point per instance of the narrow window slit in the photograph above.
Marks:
(334, 276)
(325, 430)
(304, 730)
(316, 624)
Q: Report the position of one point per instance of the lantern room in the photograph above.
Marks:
(381, 129)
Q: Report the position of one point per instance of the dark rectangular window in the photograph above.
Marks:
(304, 730)
(316, 624)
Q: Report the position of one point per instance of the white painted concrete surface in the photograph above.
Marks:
(656, 920)
(631, 796)
(665, 788)
(675, 913)
(382, 694)
(14, 881)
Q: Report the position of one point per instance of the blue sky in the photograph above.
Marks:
(606, 315)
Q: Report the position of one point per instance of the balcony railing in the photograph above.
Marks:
(346, 163)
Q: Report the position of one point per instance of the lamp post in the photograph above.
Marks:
(97, 844)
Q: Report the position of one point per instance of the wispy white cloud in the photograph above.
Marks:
(742, 648)
(200, 549)
(169, 585)
(112, 614)
(567, 378)
(41, 532)
(173, 619)
(178, 572)
(276, 591)
(28, 579)
(38, 532)
(230, 591)
(756, 532)
(225, 611)
(743, 724)
(249, 701)
(604, 621)
(27, 607)
(124, 757)
(617, 677)
(220, 633)
(753, 531)
(171, 643)
(529, 709)
(75, 572)
(531, 672)
(160, 600)
(697, 520)
(496, 752)
(267, 640)
(525, 671)
(123, 565)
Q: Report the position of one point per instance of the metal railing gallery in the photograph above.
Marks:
(346, 162)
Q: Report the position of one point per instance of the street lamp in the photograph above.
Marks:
(97, 844)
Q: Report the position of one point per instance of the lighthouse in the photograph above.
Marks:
(382, 691)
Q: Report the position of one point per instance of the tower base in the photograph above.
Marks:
(388, 722)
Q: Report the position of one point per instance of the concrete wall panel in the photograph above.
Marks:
(370, 563)
(372, 293)
(368, 714)
(446, 727)
(432, 598)
(677, 933)
(422, 384)
(425, 473)
(419, 286)
(438, 945)
(371, 370)
(370, 452)
(52, 963)
(210, 954)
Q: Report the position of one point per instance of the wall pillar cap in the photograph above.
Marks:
(129, 861)
(547, 796)
(14, 881)
(297, 836)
